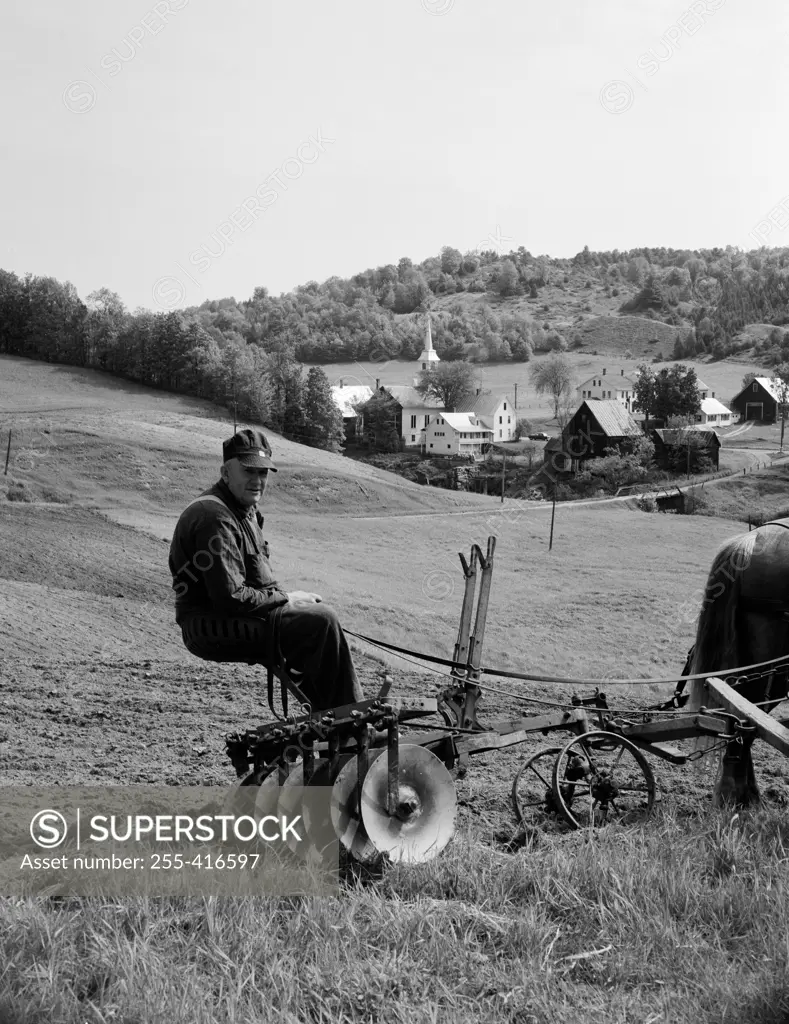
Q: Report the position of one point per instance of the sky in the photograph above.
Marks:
(184, 150)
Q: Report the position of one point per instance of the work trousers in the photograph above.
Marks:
(306, 640)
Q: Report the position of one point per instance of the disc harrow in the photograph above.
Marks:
(392, 797)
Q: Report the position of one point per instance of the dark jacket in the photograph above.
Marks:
(219, 559)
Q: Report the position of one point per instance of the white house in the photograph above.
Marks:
(345, 397)
(414, 414)
(715, 412)
(495, 412)
(456, 433)
(608, 387)
(620, 389)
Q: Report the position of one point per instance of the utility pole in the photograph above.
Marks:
(516, 396)
(503, 475)
(553, 516)
(8, 453)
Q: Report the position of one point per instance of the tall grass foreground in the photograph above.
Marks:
(681, 919)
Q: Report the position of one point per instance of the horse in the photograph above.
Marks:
(744, 620)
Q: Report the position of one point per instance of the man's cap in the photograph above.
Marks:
(251, 448)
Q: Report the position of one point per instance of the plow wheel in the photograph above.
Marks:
(423, 820)
(532, 788)
(600, 778)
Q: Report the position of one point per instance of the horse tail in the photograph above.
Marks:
(718, 637)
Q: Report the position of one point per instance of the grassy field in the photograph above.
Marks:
(679, 919)
(758, 497)
(680, 922)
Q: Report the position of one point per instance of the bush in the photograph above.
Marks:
(647, 503)
(55, 496)
(18, 491)
(555, 342)
(694, 504)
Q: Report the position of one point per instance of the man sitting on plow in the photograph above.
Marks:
(227, 602)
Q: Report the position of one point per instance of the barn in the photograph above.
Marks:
(758, 400)
(596, 425)
(687, 449)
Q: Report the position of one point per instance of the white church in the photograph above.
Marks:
(416, 410)
(481, 419)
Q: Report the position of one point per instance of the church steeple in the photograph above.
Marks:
(429, 356)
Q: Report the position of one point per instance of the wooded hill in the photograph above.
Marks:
(484, 306)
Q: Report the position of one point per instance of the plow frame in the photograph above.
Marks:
(327, 739)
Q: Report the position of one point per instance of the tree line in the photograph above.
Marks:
(40, 318)
(254, 347)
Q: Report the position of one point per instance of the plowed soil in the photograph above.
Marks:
(95, 684)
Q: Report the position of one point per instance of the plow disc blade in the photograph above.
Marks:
(424, 817)
(289, 806)
(310, 802)
(345, 815)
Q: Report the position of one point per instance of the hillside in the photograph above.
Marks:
(619, 335)
(108, 466)
(487, 307)
(132, 453)
(682, 914)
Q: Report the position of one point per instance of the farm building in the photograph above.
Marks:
(714, 412)
(602, 386)
(346, 397)
(598, 424)
(457, 433)
(553, 455)
(688, 449)
(495, 412)
(758, 400)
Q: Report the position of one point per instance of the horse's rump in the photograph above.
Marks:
(744, 617)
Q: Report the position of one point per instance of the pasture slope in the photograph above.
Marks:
(680, 920)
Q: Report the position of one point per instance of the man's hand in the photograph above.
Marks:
(303, 597)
